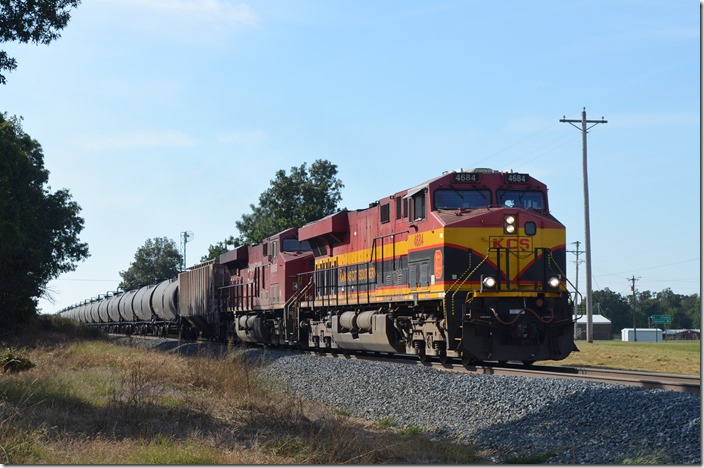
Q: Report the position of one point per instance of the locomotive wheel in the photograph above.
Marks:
(444, 358)
(528, 363)
(468, 361)
(422, 357)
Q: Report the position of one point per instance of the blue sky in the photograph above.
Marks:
(162, 116)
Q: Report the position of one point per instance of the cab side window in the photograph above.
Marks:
(418, 208)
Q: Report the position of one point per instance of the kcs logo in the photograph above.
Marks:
(511, 243)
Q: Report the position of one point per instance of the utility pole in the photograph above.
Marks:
(587, 237)
(186, 236)
(576, 286)
(633, 280)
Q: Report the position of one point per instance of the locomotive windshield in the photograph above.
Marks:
(455, 199)
(527, 199)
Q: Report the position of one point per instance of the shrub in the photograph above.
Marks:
(13, 362)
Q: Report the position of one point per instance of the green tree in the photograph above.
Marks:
(614, 307)
(293, 200)
(157, 260)
(220, 248)
(37, 21)
(38, 228)
(692, 308)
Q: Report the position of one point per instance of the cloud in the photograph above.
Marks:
(142, 139)
(221, 11)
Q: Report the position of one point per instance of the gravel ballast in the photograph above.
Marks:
(561, 421)
(565, 421)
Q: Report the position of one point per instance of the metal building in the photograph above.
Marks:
(601, 328)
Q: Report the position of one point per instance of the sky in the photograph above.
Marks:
(166, 116)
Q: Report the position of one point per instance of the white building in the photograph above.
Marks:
(601, 327)
(646, 335)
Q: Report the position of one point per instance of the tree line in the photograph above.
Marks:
(684, 310)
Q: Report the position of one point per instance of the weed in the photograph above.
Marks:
(342, 411)
(386, 422)
(530, 458)
(14, 362)
(412, 431)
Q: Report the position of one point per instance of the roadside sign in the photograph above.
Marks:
(660, 319)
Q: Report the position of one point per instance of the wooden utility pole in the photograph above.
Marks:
(587, 237)
(633, 280)
(576, 284)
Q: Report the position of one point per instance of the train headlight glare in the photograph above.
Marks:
(489, 282)
(554, 282)
(509, 224)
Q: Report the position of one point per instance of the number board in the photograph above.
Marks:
(516, 178)
(465, 177)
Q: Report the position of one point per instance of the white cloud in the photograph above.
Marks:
(208, 10)
(142, 139)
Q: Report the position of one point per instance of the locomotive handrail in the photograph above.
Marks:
(288, 305)
(462, 283)
(373, 256)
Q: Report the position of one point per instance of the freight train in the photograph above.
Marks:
(468, 265)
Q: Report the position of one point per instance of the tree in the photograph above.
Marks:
(614, 307)
(37, 21)
(220, 248)
(157, 260)
(38, 228)
(292, 201)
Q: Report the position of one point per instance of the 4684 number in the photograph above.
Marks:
(516, 178)
(464, 177)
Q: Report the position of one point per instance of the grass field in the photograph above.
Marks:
(83, 400)
(88, 401)
(669, 357)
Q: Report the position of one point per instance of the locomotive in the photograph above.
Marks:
(469, 265)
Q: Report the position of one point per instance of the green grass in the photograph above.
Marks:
(670, 357)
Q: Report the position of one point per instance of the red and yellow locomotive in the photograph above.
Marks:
(470, 264)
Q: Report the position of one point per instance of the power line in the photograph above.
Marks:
(587, 235)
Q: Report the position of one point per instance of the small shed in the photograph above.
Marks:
(601, 327)
(683, 334)
(646, 335)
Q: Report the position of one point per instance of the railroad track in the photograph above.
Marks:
(671, 382)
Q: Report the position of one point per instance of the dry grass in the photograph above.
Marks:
(670, 357)
(92, 402)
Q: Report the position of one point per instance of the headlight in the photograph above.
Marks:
(554, 282)
(509, 224)
(488, 282)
